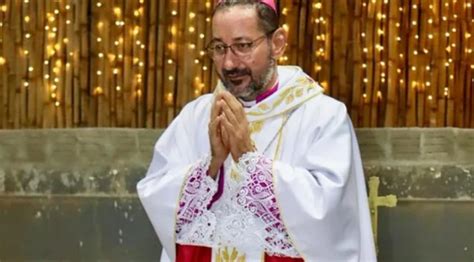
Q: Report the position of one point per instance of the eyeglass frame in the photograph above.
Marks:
(252, 43)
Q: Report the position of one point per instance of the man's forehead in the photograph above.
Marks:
(238, 22)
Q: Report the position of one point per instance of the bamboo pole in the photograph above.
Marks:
(147, 77)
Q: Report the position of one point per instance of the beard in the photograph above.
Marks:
(257, 83)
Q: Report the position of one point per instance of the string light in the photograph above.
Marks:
(376, 54)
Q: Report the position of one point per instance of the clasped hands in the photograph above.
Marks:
(228, 131)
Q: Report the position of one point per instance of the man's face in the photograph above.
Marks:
(247, 75)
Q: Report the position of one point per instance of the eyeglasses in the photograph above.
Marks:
(217, 50)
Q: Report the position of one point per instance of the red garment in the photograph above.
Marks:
(189, 253)
(281, 259)
(267, 93)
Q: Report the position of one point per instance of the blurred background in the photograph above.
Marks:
(135, 63)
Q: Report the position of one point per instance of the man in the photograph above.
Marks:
(265, 169)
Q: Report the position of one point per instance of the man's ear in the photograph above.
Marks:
(279, 43)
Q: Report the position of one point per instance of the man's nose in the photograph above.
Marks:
(230, 60)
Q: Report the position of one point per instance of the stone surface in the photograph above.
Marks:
(65, 228)
(69, 195)
(431, 231)
(426, 182)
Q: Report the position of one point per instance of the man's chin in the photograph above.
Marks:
(240, 90)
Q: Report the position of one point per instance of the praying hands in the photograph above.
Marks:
(228, 131)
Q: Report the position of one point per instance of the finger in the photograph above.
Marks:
(231, 117)
(224, 134)
(214, 127)
(235, 106)
(225, 124)
(233, 103)
(215, 108)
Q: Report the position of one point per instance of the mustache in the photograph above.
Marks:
(236, 72)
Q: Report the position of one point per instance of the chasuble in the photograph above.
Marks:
(300, 196)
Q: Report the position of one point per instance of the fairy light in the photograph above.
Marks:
(98, 91)
(379, 94)
(136, 30)
(372, 59)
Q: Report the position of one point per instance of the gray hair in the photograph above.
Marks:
(268, 18)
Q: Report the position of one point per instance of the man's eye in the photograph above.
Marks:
(243, 46)
(219, 47)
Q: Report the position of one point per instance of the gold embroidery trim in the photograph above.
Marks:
(223, 255)
(280, 136)
(234, 175)
(289, 95)
(256, 126)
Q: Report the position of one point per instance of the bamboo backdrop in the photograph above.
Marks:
(135, 63)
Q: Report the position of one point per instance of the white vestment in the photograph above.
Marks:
(317, 172)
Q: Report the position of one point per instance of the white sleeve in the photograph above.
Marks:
(322, 197)
(160, 191)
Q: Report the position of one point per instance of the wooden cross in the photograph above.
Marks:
(376, 201)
